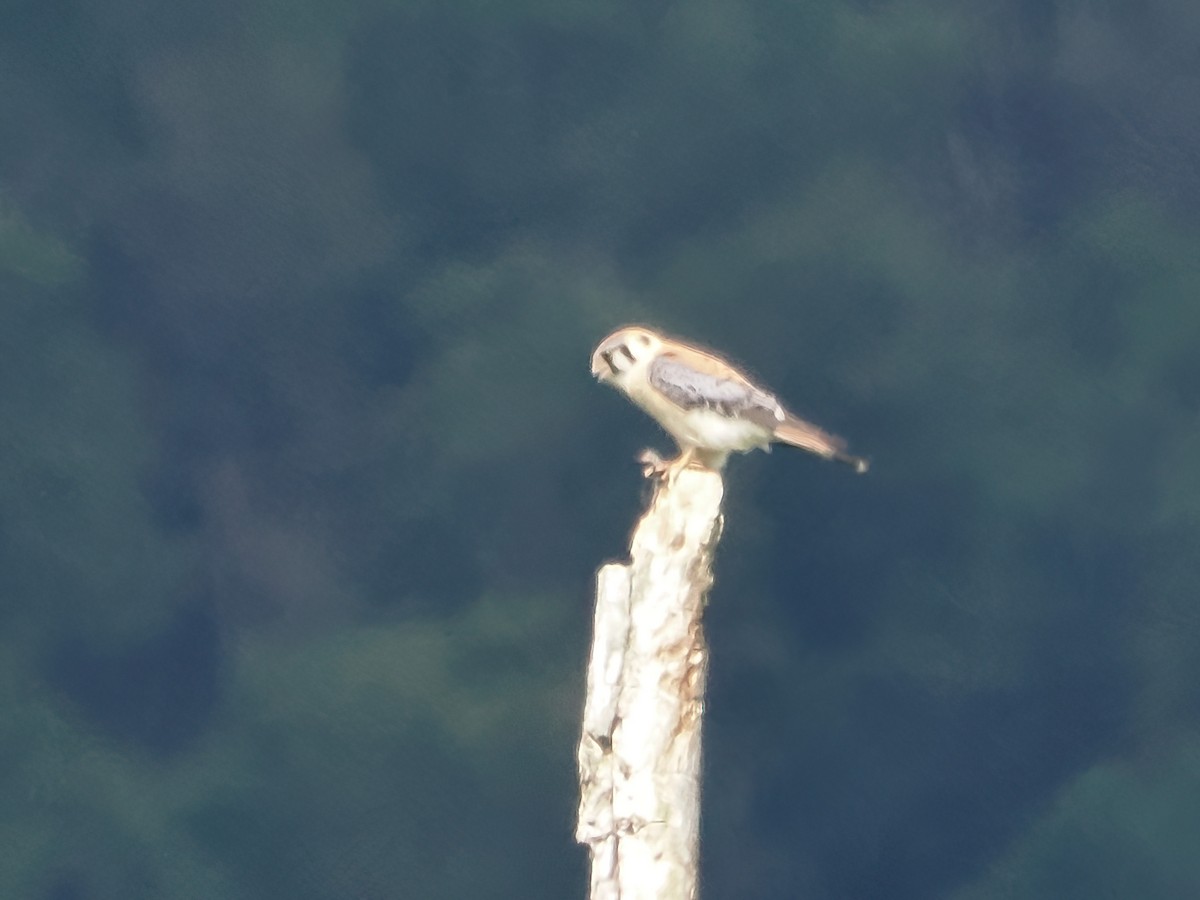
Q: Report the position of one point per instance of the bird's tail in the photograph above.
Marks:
(798, 433)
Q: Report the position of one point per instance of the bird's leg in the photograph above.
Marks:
(686, 458)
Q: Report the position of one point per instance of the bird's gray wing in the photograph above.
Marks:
(689, 388)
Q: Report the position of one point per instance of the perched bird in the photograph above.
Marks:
(709, 407)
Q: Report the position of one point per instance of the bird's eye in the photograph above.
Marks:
(624, 348)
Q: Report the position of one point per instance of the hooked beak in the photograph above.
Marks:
(602, 367)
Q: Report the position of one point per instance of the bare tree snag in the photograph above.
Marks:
(639, 754)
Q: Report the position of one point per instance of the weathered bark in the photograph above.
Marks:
(639, 755)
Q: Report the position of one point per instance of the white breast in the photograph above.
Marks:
(705, 428)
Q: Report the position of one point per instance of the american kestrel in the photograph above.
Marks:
(709, 407)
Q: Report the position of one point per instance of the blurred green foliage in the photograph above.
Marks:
(302, 478)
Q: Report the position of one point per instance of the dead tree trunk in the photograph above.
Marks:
(639, 754)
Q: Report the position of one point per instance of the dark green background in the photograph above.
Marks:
(303, 478)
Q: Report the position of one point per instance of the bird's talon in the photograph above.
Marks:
(653, 465)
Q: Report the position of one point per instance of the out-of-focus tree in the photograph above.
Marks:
(303, 479)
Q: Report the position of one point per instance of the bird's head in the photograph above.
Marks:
(625, 353)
